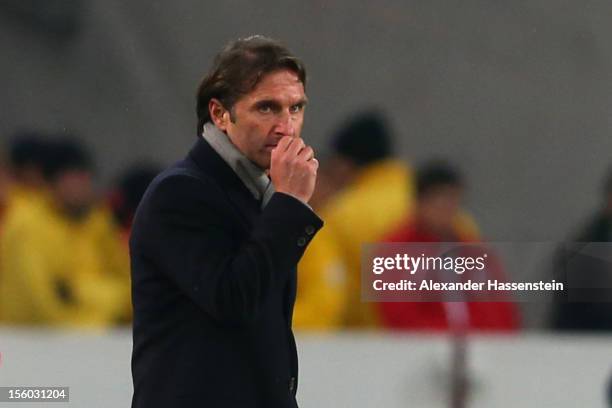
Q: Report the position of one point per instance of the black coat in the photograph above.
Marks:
(213, 287)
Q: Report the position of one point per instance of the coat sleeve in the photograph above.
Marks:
(185, 231)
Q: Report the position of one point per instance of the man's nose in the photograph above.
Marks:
(285, 125)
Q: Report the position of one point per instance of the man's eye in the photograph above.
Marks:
(296, 108)
(265, 109)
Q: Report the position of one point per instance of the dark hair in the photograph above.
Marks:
(363, 139)
(239, 67)
(435, 174)
(66, 154)
(28, 148)
(130, 189)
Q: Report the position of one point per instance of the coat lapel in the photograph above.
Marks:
(210, 163)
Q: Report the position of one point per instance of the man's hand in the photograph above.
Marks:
(293, 168)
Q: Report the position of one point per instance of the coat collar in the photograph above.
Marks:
(254, 178)
(211, 164)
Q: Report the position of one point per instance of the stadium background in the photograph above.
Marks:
(517, 93)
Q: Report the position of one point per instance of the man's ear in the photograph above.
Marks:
(218, 114)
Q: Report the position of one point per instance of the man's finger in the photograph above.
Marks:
(314, 164)
(295, 147)
(307, 153)
(284, 143)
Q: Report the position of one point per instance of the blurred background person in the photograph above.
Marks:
(4, 187)
(585, 267)
(124, 198)
(437, 214)
(4, 195)
(375, 193)
(321, 292)
(28, 154)
(61, 256)
(22, 180)
(438, 217)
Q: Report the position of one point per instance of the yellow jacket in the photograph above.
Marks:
(17, 196)
(364, 212)
(57, 271)
(377, 202)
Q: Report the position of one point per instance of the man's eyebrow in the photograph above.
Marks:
(267, 102)
(276, 103)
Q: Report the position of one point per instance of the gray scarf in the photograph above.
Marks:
(253, 177)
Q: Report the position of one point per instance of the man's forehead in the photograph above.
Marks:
(282, 84)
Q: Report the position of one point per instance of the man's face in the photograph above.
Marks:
(73, 191)
(273, 109)
(439, 207)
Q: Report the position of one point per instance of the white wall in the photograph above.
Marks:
(351, 370)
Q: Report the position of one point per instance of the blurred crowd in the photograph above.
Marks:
(366, 194)
(64, 257)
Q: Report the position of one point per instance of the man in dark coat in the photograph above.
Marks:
(216, 240)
